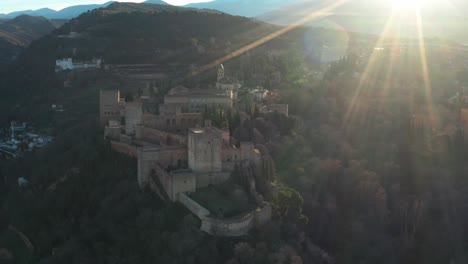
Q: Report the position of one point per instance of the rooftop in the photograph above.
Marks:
(204, 130)
(181, 91)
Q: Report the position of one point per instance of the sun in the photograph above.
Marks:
(406, 4)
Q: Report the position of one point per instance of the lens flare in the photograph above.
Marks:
(406, 4)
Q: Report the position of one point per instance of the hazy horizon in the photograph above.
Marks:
(10, 6)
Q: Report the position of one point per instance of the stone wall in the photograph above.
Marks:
(159, 137)
(280, 108)
(213, 178)
(125, 139)
(164, 178)
(109, 106)
(150, 158)
(193, 206)
(171, 183)
(205, 150)
(464, 121)
(124, 148)
(133, 115)
(175, 122)
(112, 132)
(263, 215)
(231, 227)
(238, 226)
(231, 154)
(182, 182)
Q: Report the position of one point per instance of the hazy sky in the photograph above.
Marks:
(7, 6)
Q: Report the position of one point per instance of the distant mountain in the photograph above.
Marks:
(118, 7)
(44, 12)
(158, 2)
(74, 11)
(66, 13)
(248, 8)
(16, 34)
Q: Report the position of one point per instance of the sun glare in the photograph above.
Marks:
(406, 4)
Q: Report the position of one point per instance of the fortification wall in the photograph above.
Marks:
(280, 108)
(133, 116)
(150, 158)
(229, 166)
(112, 132)
(159, 137)
(165, 179)
(228, 227)
(193, 206)
(263, 215)
(247, 150)
(236, 226)
(179, 121)
(109, 106)
(182, 182)
(215, 178)
(231, 154)
(124, 148)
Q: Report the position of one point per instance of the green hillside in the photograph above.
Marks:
(18, 33)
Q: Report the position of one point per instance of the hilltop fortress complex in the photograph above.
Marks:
(181, 156)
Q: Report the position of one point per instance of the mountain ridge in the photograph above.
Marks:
(18, 33)
(65, 13)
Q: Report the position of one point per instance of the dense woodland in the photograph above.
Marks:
(363, 182)
(16, 34)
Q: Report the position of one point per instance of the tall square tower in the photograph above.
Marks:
(204, 149)
(109, 106)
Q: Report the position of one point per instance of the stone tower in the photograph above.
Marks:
(220, 72)
(133, 113)
(109, 106)
(204, 149)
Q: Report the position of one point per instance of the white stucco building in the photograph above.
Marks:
(68, 64)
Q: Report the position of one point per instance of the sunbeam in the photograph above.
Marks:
(323, 12)
(425, 69)
(364, 78)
